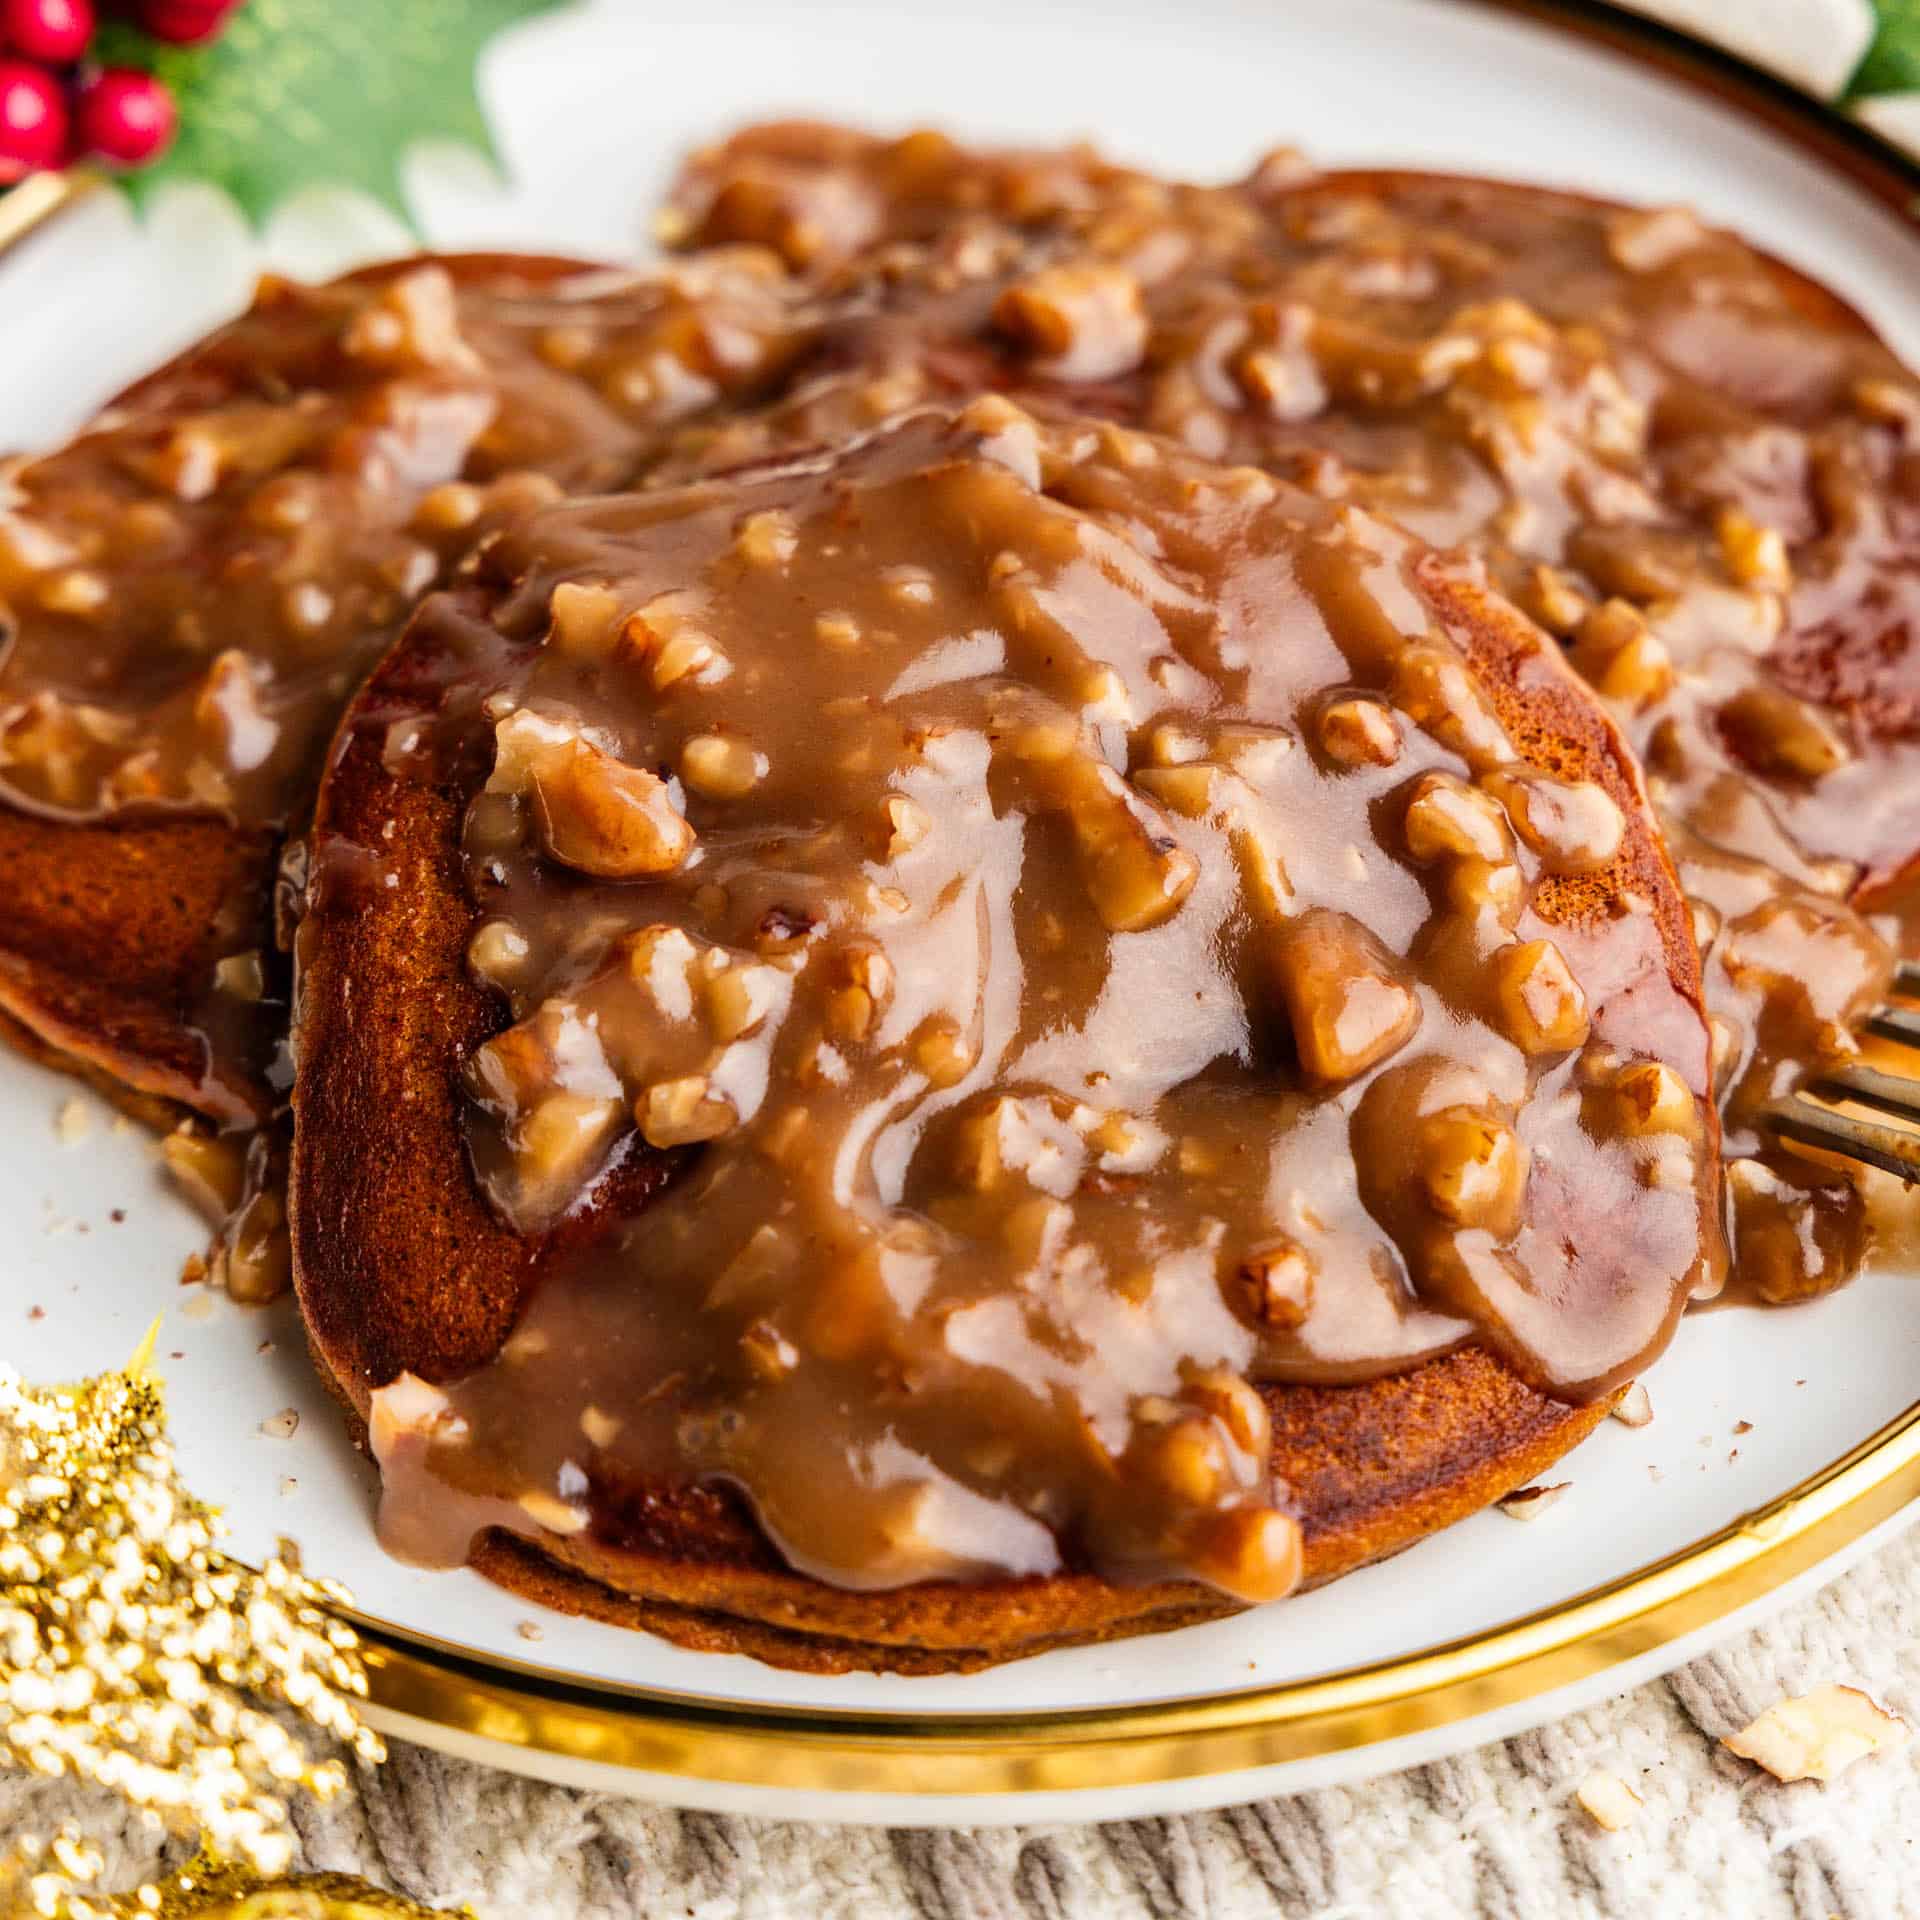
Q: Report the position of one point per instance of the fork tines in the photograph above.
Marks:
(1818, 1115)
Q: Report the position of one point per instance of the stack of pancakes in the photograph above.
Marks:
(1438, 658)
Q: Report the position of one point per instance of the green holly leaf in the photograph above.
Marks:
(1892, 63)
(301, 93)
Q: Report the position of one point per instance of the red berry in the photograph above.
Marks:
(125, 116)
(53, 31)
(185, 23)
(33, 120)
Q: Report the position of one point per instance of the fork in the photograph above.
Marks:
(1815, 1115)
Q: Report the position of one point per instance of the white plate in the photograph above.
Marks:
(594, 106)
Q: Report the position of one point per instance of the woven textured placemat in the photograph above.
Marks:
(1494, 1834)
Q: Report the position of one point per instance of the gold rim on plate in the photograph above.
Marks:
(38, 198)
(843, 1752)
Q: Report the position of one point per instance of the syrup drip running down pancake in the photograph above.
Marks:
(1012, 936)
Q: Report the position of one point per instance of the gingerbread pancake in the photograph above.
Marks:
(190, 591)
(996, 1037)
(1625, 411)
(1695, 466)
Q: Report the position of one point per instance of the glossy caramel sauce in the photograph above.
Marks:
(1046, 870)
(191, 590)
(1105, 947)
(1694, 467)
(194, 586)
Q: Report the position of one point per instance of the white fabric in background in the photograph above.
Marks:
(1814, 43)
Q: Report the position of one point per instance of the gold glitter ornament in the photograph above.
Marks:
(204, 1889)
(133, 1650)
